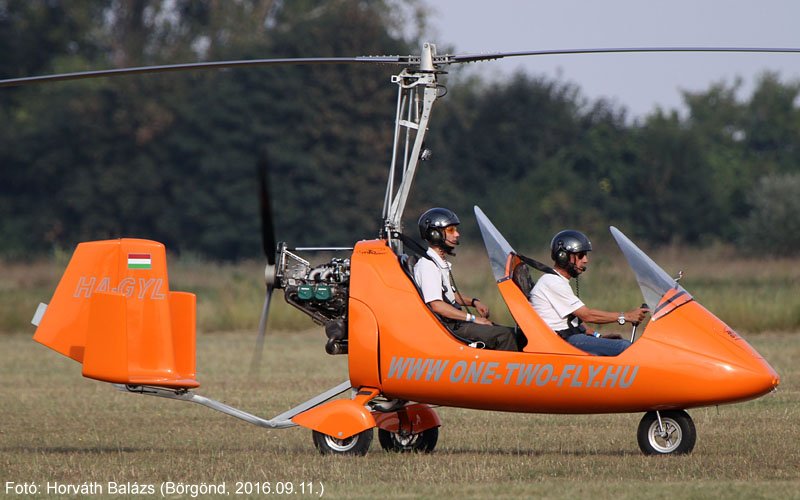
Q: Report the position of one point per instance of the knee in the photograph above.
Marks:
(622, 344)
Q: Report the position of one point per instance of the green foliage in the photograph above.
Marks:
(509, 147)
(671, 185)
(172, 157)
(772, 119)
(743, 142)
(773, 226)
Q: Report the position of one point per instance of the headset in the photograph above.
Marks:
(560, 255)
(434, 235)
(566, 242)
(432, 225)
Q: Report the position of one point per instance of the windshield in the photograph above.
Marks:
(653, 281)
(496, 246)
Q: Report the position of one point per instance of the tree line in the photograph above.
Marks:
(173, 157)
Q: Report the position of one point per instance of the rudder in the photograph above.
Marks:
(113, 312)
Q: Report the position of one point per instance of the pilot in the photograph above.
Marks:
(439, 227)
(564, 312)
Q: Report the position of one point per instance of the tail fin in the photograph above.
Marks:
(113, 312)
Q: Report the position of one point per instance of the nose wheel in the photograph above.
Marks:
(666, 432)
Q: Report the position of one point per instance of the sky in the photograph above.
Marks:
(639, 82)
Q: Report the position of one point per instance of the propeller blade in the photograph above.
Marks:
(262, 331)
(270, 248)
(267, 220)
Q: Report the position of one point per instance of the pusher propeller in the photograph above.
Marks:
(270, 250)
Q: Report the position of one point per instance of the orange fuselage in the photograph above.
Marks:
(686, 358)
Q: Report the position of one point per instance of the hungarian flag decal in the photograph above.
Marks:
(139, 261)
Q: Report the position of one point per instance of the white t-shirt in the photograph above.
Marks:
(433, 277)
(554, 300)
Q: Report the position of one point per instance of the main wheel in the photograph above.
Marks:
(354, 445)
(421, 442)
(677, 435)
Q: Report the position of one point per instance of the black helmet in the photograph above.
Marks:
(432, 223)
(567, 242)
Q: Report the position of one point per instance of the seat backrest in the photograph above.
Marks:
(407, 262)
(521, 277)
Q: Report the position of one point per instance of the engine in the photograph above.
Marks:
(320, 291)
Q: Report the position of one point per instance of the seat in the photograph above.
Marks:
(521, 277)
(407, 263)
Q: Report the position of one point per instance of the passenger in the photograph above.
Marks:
(439, 227)
(564, 312)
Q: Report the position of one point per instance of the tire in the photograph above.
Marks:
(422, 442)
(678, 437)
(354, 445)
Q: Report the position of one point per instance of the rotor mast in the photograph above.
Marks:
(417, 91)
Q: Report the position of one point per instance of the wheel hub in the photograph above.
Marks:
(667, 438)
(341, 445)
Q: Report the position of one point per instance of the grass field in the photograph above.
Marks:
(58, 427)
(751, 295)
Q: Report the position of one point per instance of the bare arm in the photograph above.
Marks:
(445, 310)
(598, 317)
(475, 302)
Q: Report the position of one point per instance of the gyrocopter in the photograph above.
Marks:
(114, 313)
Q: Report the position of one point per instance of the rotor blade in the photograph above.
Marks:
(411, 60)
(267, 222)
(262, 331)
(464, 58)
(80, 75)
